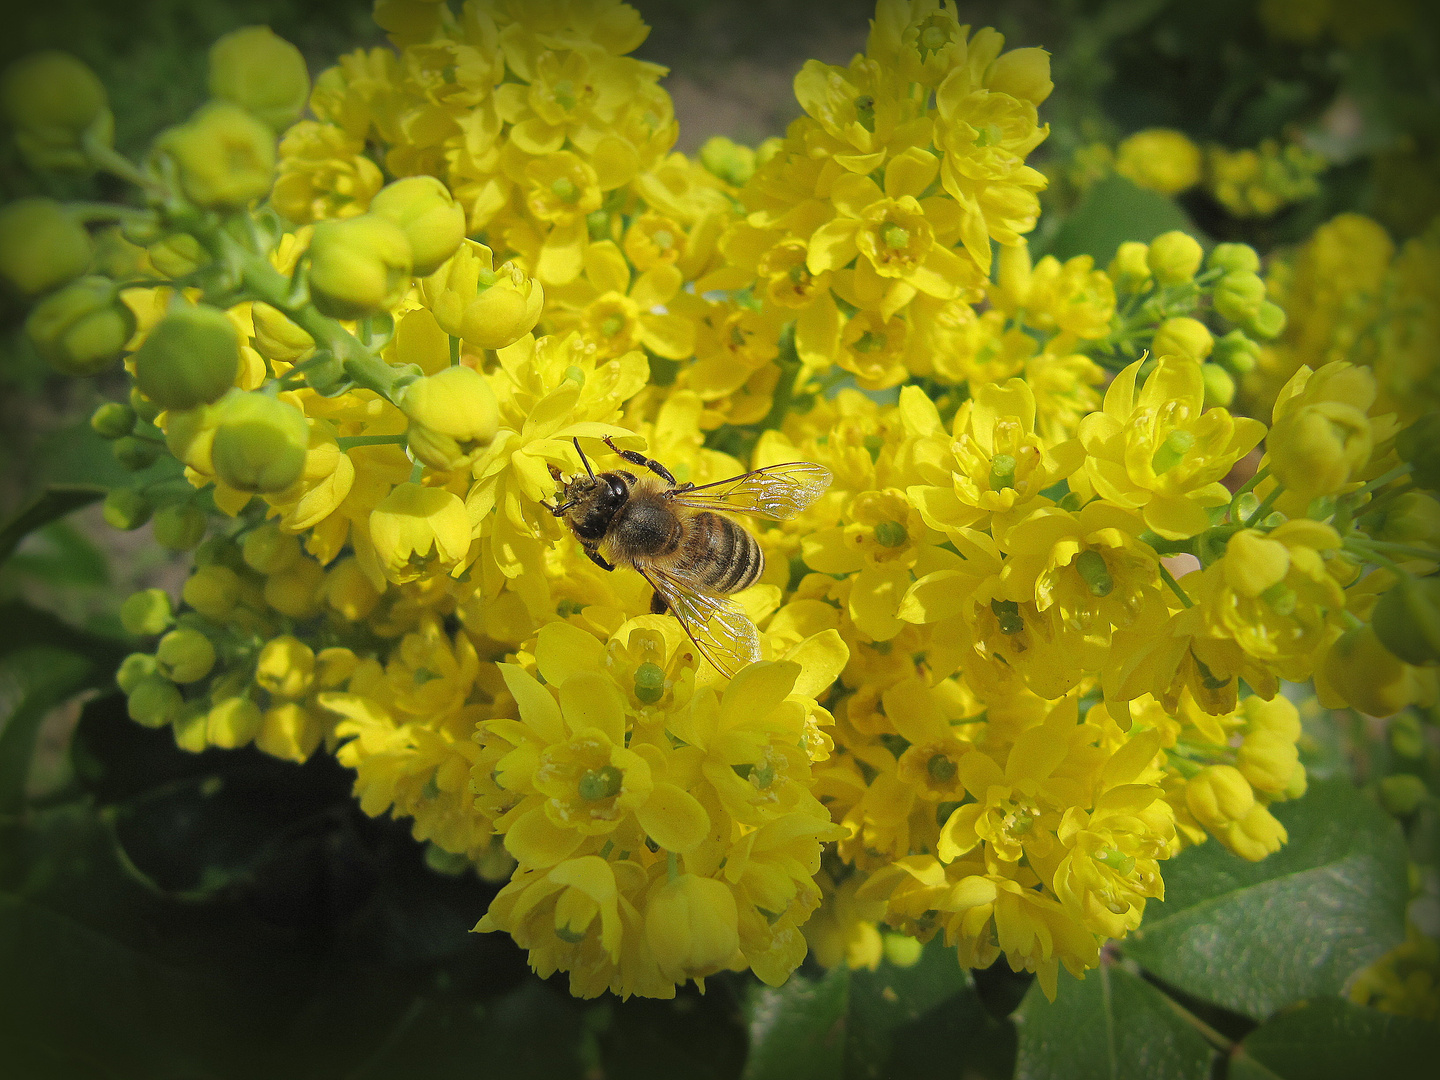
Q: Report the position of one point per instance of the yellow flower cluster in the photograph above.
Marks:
(983, 703)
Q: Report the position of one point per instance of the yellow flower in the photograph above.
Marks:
(417, 530)
(1160, 451)
(617, 315)
(691, 926)
(1160, 159)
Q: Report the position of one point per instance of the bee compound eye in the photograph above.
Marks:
(617, 487)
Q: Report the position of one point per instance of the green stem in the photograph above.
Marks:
(1174, 585)
(1381, 481)
(348, 442)
(454, 351)
(108, 159)
(1404, 550)
(90, 213)
(1263, 510)
(1368, 554)
(1245, 489)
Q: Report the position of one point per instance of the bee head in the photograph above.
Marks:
(589, 503)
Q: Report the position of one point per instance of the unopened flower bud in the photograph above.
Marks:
(82, 329)
(1021, 73)
(1314, 449)
(232, 723)
(179, 526)
(154, 702)
(1407, 738)
(1413, 517)
(262, 73)
(260, 442)
(1269, 322)
(453, 413)
(112, 420)
(269, 551)
(1229, 257)
(1403, 793)
(728, 160)
(334, 666)
(432, 221)
(485, 307)
(147, 612)
(1218, 795)
(349, 592)
(1219, 386)
(55, 103)
(1130, 268)
(297, 592)
(277, 338)
(1255, 835)
(126, 508)
(1267, 760)
(133, 670)
(1183, 337)
(1159, 159)
(359, 266)
(184, 655)
(1174, 257)
(224, 155)
(144, 408)
(190, 358)
(136, 454)
(41, 245)
(285, 667)
(1407, 620)
(1238, 296)
(177, 255)
(1236, 353)
(1368, 676)
(691, 926)
(212, 590)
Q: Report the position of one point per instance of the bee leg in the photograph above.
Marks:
(595, 557)
(658, 606)
(644, 462)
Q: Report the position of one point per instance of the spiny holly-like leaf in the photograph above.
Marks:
(1333, 1039)
(50, 505)
(1112, 212)
(797, 1030)
(1254, 937)
(1112, 1025)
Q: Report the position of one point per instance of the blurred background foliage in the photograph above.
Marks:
(171, 915)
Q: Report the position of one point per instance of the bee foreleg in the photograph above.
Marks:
(658, 606)
(644, 462)
(595, 557)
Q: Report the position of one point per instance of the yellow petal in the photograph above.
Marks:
(534, 840)
(537, 708)
(591, 700)
(673, 818)
(821, 659)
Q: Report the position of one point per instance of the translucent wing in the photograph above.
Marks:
(720, 630)
(780, 491)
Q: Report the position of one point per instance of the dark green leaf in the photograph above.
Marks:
(1112, 1025)
(40, 680)
(53, 503)
(1253, 937)
(62, 556)
(797, 1030)
(1112, 212)
(24, 626)
(1334, 1039)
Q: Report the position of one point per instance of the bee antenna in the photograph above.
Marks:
(583, 459)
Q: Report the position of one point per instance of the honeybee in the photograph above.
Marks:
(671, 534)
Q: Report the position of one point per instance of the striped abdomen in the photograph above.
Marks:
(719, 554)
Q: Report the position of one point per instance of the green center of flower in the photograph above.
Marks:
(989, 135)
(1280, 598)
(1091, 567)
(1002, 472)
(1007, 614)
(422, 675)
(565, 94)
(612, 326)
(891, 534)
(663, 239)
(649, 683)
(873, 445)
(598, 224)
(940, 768)
(575, 375)
(865, 111)
(869, 342)
(1176, 445)
(565, 190)
(933, 39)
(895, 236)
(1115, 860)
(484, 279)
(601, 783)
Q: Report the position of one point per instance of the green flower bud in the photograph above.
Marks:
(1419, 444)
(728, 160)
(154, 702)
(1130, 268)
(190, 358)
(1238, 296)
(1268, 322)
(432, 221)
(1236, 353)
(286, 667)
(179, 526)
(144, 408)
(213, 590)
(1407, 620)
(1403, 793)
(267, 550)
(55, 102)
(359, 266)
(127, 509)
(133, 670)
(224, 155)
(453, 413)
(1219, 386)
(1183, 337)
(1234, 257)
(1174, 257)
(277, 338)
(260, 442)
(147, 613)
(486, 307)
(136, 454)
(1407, 738)
(1367, 675)
(262, 73)
(83, 328)
(41, 245)
(1413, 517)
(184, 655)
(232, 723)
(177, 255)
(112, 420)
